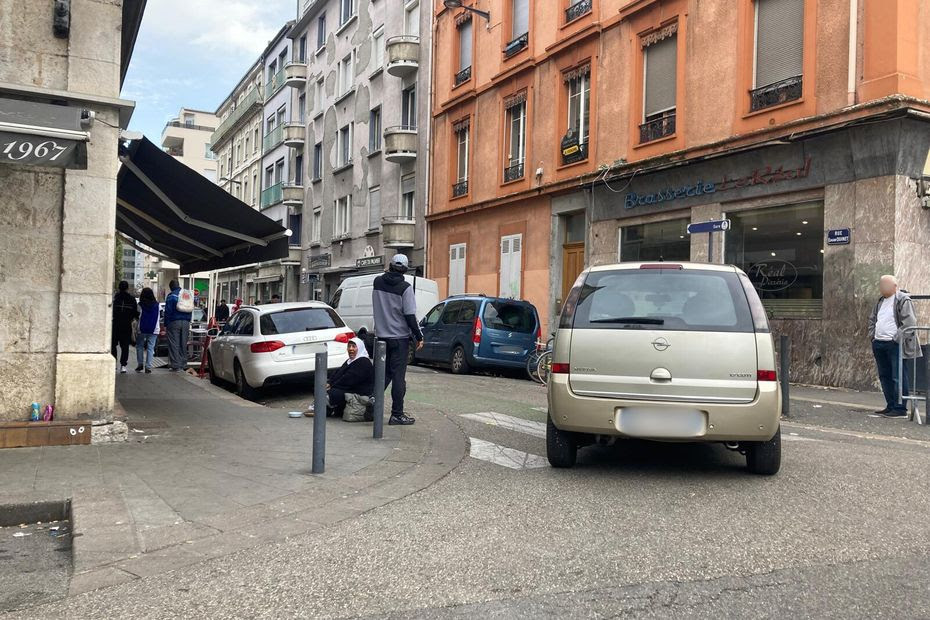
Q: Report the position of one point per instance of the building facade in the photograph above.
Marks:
(187, 139)
(801, 122)
(359, 78)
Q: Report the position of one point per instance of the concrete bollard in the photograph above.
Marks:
(380, 361)
(784, 359)
(320, 404)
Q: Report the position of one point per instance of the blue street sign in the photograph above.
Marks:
(838, 236)
(708, 227)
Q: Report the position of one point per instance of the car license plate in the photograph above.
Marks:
(661, 423)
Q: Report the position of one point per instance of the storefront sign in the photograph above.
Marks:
(42, 134)
(321, 261)
(760, 176)
(708, 227)
(17, 148)
(772, 275)
(369, 261)
(838, 236)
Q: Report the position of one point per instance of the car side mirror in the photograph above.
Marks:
(213, 332)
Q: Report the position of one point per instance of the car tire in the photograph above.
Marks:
(561, 446)
(459, 362)
(243, 389)
(764, 457)
(214, 379)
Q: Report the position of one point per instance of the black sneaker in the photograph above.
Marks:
(896, 413)
(401, 419)
(148, 371)
(883, 411)
(139, 368)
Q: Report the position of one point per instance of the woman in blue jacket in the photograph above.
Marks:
(148, 330)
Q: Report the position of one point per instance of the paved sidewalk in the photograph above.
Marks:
(205, 474)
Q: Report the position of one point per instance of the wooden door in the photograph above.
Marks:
(572, 265)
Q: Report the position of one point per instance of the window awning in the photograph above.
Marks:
(182, 215)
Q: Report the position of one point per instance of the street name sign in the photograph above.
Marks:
(708, 227)
(838, 236)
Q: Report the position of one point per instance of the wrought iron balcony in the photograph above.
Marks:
(513, 172)
(658, 127)
(776, 94)
(463, 76)
(577, 10)
(460, 189)
(400, 144)
(403, 55)
(517, 44)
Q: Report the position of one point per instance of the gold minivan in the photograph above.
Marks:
(675, 352)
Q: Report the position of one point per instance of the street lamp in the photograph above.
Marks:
(458, 4)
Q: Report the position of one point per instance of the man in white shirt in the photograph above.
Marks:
(891, 315)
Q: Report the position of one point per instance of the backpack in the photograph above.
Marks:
(185, 301)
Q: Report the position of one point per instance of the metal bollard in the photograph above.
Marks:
(380, 361)
(320, 402)
(926, 388)
(784, 359)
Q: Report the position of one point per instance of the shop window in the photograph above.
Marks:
(660, 68)
(781, 249)
(656, 241)
(779, 53)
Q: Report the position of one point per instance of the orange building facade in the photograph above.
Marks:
(569, 133)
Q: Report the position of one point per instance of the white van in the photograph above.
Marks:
(353, 299)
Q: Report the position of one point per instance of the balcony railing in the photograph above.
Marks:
(254, 98)
(517, 44)
(460, 189)
(403, 55)
(514, 172)
(295, 134)
(293, 193)
(272, 195)
(188, 126)
(463, 76)
(656, 128)
(577, 10)
(273, 139)
(295, 74)
(398, 232)
(275, 84)
(400, 144)
(776, 94)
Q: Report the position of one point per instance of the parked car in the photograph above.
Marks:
(352, 300)
(473, 331)
(262, 346)
(666, 352)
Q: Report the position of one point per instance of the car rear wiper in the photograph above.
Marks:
(634, 320)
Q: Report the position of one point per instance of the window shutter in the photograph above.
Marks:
(465, 41)
(516, 266)
(457, 269)
(521, 17)
(661, 74)
(374, 209)
(408, 184)
(779, 40)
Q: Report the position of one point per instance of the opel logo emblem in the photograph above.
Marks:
(661, 344)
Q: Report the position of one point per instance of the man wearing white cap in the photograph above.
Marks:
(395, 314)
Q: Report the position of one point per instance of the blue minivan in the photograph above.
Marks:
(473, 331)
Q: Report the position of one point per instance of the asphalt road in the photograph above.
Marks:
(636, 530)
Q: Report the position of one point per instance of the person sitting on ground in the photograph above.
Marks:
(351, 386)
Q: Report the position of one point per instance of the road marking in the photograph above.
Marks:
(536, 429)
(506, 457)
(540, 409)
(796, 437)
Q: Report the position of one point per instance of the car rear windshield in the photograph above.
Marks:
(511, 317)
(663, 299)
(299, 320)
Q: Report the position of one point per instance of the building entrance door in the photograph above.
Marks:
(572, 265)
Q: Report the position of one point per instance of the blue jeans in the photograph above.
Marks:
(145, 343)
(886, 359)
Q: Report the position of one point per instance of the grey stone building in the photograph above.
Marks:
(60, 83)
(359, 77)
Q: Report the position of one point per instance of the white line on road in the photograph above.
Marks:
(536, 429)
(506, 457)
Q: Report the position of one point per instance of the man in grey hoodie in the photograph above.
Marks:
(891, 316)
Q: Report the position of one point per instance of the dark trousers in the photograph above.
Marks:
(395, 371)
(336, 404)
(886, 360)
(122, 334)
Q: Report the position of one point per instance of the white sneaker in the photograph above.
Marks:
(122, 370)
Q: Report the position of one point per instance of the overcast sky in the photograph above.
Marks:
(191, 53)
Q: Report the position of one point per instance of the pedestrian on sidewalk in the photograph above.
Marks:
(222, 312)
(893, 313)
(148, 330)
(236, 306)
(177, 327)
(351, 386)
(395, 308)
(124, 313)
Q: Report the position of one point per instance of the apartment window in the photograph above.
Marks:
(320, 85)
(245, 190)
(779, 53)
(247, 146)
(374, 208)
(302, 49)
(374, 130)
(256, 140)
(462, 130)
(575, 143)
(279, 171)
(409, 108)
(466, 39)
(189, 119)
(238, 154)
(254, 186)
(294, 223)
(321, 31)
(317, 161)
(378, 46)
(660, 70)
(412, 18)
(316, 227)
(302, 108)
(299, 170)
(346, 10)
(207, 152)
(345, 75)
(282, 59)
(519, 26)
(282, 116)
(516, 137)
(270, 124)
(345, 145)
(269, 176)
(408, 193)
(341, 221)
(272, 69)
(577, 8)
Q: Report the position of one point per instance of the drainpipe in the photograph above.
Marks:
(853, 49)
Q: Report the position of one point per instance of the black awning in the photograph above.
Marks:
(163, 204)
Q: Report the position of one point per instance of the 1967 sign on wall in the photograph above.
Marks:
(33, 150)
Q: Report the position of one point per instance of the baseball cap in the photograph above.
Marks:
(400, 262)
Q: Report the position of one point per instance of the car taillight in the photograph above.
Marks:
(559, 369)
(345, 338)
(767, 375)
(661, 266)
(266, 346)
(539, 343)
(476, 336)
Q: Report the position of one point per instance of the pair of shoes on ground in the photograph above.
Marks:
(892, 413)
(401, 419)
(140, 369)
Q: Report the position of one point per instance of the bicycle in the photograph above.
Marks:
(539, 362)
